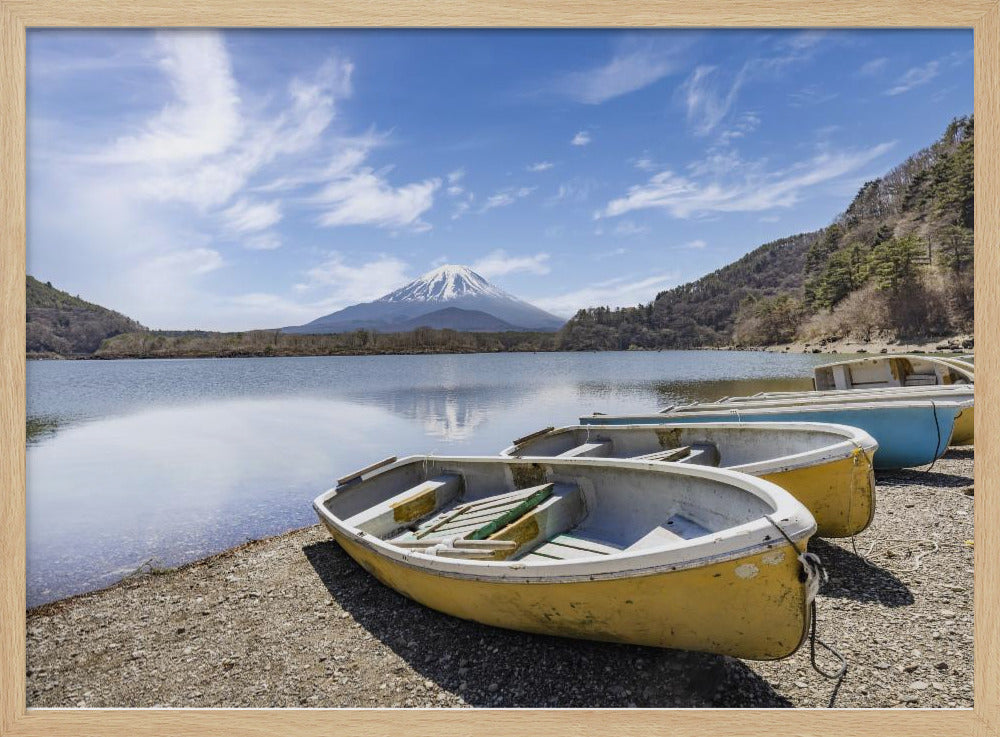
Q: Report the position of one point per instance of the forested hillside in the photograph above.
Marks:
(896, 264)
(66, 325)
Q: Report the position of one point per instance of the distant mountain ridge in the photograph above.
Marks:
(447, 297)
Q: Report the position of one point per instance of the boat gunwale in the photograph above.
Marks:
(853, 438)
(749, 538)
(662, 418)
(907, 356)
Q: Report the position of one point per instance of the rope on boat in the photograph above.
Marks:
(815, 573)
(937, 426)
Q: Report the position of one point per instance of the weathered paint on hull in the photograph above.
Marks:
(753, 607)
(840, 494)
(965, 427)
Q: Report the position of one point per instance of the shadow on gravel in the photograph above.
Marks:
(916, 477)
(963, 453)
(852, 578)
(495, 667)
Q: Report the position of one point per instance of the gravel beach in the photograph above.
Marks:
(291, 621)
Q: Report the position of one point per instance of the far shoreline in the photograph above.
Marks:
(954, 344)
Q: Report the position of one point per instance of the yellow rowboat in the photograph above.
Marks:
(963, 432)
(647, 553)
(827, 467)
(891, 371)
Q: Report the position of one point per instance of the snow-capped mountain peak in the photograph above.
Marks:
(443, 284)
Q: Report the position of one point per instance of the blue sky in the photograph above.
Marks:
(240, 179)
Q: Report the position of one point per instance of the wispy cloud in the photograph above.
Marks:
(915, 77)
(709, 98)
(628, 227)
(627, 71)
(735, 186)
(505, 197)
(204, 118)
(540, 166)
(352, 283)
(247, 216)
(500, 263)
(873, 67)
(809, 95)
(577, 189)
(364, 198)
(582, 138)
(618, 292)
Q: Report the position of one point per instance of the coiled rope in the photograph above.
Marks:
(816, 574)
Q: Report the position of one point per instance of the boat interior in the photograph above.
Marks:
(538, 512)
(892, 371)
(704, 445)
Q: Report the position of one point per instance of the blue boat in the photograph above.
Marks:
(908, 433)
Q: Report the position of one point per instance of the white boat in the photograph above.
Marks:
(890, 371)
(826, 467)
(648, 553)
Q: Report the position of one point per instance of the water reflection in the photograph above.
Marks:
(174, 484)
(173, 460)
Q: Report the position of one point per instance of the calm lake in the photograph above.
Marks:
(166, 461)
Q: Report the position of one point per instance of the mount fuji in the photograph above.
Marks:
(450, 296)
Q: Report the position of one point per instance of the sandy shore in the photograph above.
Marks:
(292, 621)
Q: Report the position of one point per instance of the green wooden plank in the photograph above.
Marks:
(542, 493)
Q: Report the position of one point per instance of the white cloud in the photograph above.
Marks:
(349, 284)
(540, 166)
(268, 241)
(505, 197)
(696, 244)
(708, 99)
(192, 170)
(455, 190)
(644, 164)
(915, 77)
(618, 292)
(456, 176)
(461, 208)
(625, 72)
(582, 138)
(204, 117)
(246, 216)
(627, 227)
(196, 261)
(730, 185)
(809, 95)
(578, 189)
(500, 263)
(873, 67)
(365, 198)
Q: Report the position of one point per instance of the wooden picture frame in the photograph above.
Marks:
(17, 16)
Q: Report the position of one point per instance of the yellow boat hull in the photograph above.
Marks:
(752, 607)
(840, 494)
(965, 427)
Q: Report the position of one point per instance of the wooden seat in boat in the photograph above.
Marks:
(697, 454)
(498, 527)
(407, 507)
(595, 449)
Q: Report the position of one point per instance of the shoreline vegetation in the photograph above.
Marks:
(291, 621)
(427, 341)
